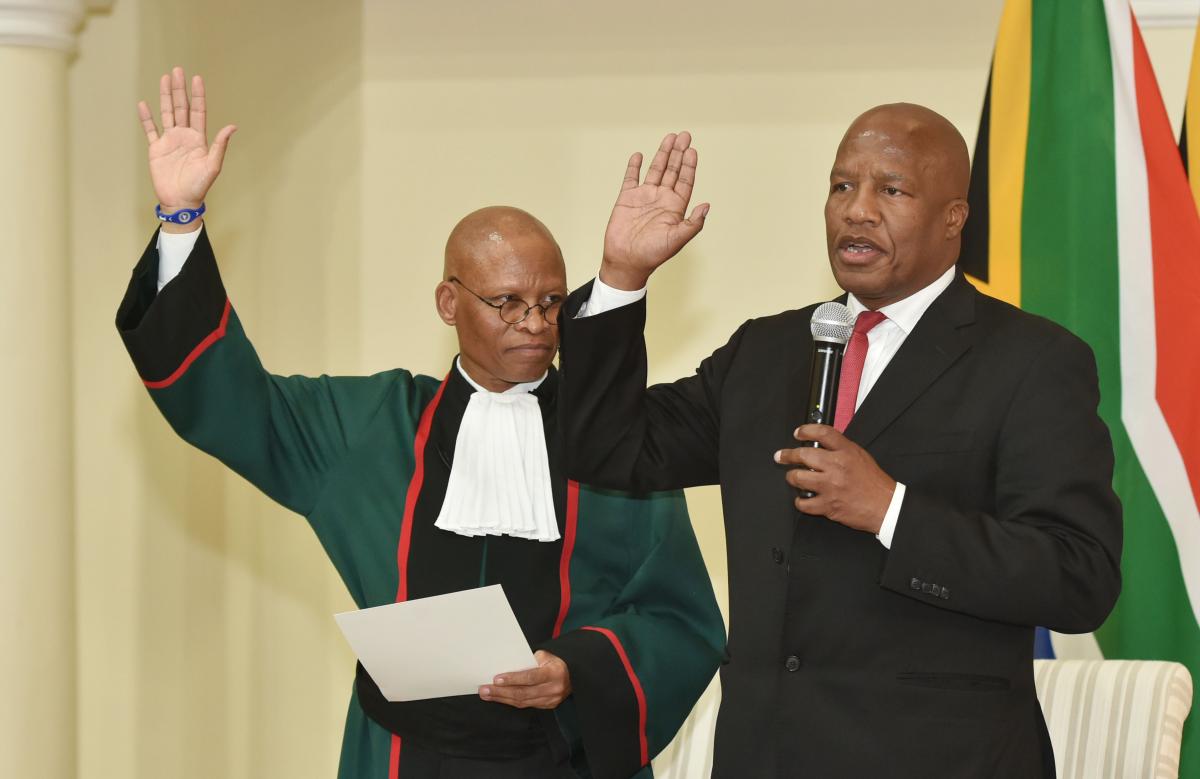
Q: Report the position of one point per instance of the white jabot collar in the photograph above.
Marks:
(500, 478)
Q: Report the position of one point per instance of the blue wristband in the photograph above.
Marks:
(181, 217)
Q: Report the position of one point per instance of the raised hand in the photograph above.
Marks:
(182, 165)
(647, 226)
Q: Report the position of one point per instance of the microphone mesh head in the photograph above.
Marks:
(832, 323)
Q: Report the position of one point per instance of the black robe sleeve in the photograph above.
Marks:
(664, 437)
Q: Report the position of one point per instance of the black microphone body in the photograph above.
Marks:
(823, 384)
(831, 328)
(822, 390)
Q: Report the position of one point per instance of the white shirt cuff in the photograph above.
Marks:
(606, 298)
(173, 251)
(891, 517)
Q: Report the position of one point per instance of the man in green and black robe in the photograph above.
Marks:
(610, 589)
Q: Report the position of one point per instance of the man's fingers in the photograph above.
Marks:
(658, 165)
(531, 702)
(147, 119)
(540, 696)
(165, 110)
(633, 171)
(805, 479)
(522, 678)
(828, 437)
(675, 159)
(198, 118)
(510, 696)
(803, 456)
(671, 174)
(687, 174)
(179, 99)
(216, 153)
(813, 506)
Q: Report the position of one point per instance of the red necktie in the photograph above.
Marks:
(852, 367)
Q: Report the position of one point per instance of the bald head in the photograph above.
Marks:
(923, 133)
(493, 234)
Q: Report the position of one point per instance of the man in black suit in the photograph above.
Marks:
(885, 626)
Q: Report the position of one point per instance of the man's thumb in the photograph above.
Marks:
(216, 153)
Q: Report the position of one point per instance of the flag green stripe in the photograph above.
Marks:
(1153, 619)
(1069, 213)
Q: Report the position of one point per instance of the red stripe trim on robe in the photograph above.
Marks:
(414, 491)
(564, 566)
(637, 688)
(410, 505)
(209, 340)
(394, 759)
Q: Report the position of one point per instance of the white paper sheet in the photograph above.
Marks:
(438, 646)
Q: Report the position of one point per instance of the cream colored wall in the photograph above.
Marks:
(1170, 52)
(206, 646)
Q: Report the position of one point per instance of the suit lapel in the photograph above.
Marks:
(941, 336)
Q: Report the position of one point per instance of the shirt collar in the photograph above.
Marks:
(907, 312)
(528, 386)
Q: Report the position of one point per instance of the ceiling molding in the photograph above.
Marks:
(1167, 13)
(47, 24)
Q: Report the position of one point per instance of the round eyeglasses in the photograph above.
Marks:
(514, 311)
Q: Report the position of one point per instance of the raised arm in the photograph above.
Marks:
(619, 434)
(284, 434)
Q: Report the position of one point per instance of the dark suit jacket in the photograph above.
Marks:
(846, 659)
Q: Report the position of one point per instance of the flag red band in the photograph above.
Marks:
(1173, 224)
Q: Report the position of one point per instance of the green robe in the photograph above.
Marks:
(623, 597)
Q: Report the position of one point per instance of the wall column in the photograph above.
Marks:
(37, 554)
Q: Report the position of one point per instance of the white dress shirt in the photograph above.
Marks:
(173, 251)
(883, 341)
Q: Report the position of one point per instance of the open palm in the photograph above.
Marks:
(647, 226)
(182, 165)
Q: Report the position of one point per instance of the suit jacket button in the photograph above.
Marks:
(915, 584)
(926, 588)
(945, 593)
(937, 591)
(792, 664)
(777, 555)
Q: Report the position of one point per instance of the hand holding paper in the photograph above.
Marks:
(543, 687)
(439, 646)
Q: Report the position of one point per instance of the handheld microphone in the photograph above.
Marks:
(831, 325)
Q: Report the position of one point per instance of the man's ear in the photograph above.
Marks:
(956, 217)
(446, 300)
